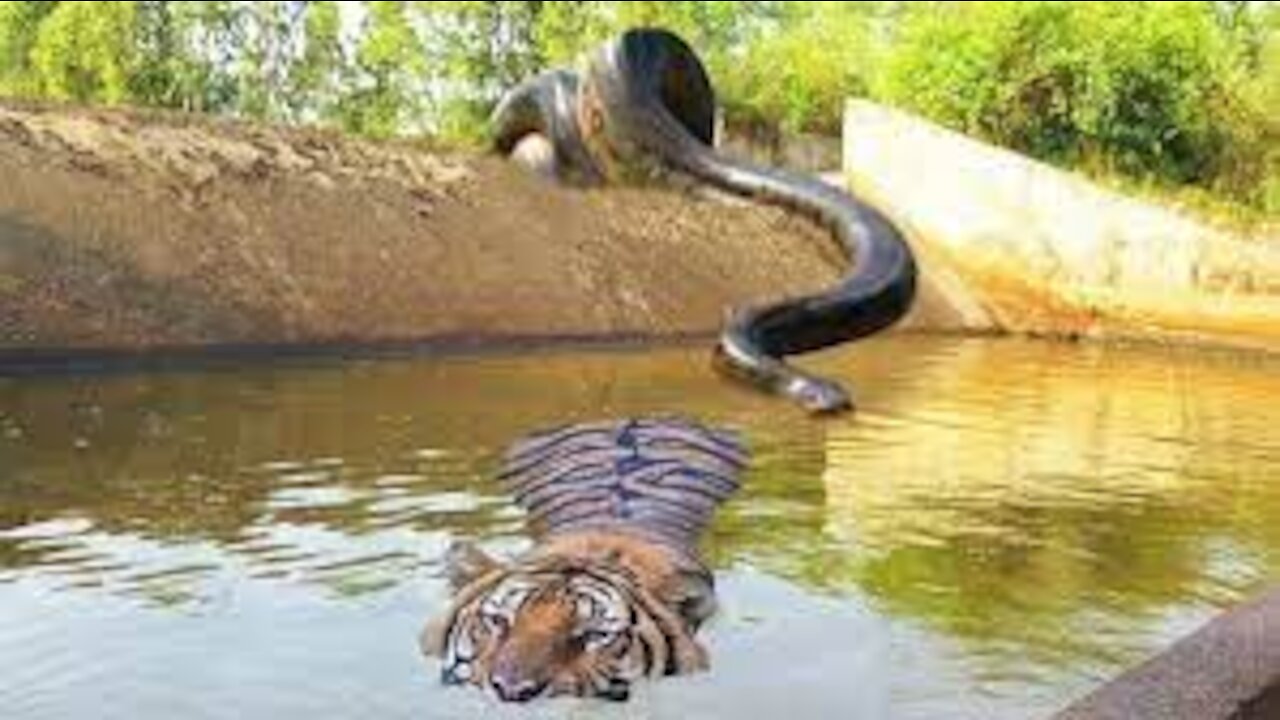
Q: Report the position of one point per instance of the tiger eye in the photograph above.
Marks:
(496, 623)
(591, 608)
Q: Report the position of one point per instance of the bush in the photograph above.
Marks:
(797, 77)
(1250, 166)
(1136, 87)
(85, 53)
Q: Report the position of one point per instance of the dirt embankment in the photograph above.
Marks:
(131, 232)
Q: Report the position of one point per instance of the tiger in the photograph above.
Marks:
(613, 588)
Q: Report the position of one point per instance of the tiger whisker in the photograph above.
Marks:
(589, 609)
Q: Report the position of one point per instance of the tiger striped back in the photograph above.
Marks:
(664, 477)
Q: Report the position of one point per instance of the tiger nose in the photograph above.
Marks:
(513, 689)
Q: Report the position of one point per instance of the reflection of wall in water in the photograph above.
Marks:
(1022, 484)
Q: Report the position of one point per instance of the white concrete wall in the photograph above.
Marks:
(1035, 249)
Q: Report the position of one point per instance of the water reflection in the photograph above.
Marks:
(1052, 512)
(1022, 518)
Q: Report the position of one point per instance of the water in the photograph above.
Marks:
(1003, 526)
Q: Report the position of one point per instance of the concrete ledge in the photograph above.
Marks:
(1228, 670)
(1026, 248)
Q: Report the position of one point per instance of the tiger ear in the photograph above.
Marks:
(465, 563)
(692, 594)
(431, 641)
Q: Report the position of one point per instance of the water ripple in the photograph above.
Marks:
(1022, 518)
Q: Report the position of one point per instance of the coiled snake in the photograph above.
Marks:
(644, 107)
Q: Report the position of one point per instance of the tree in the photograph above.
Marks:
(317, 81)
(798, 75)
(389, 78)
(1130, 85)
(476, 51)
(86, 51)
(19, 30)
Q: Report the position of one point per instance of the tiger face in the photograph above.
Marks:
(556, 627)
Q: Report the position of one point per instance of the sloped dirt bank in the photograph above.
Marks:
(125, 232)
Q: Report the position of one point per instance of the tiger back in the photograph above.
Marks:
(613, 588)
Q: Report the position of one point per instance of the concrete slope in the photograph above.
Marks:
(1018, 246)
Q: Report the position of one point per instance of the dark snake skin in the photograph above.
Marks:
(644, 109)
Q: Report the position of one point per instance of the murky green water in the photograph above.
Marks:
(1003, 526)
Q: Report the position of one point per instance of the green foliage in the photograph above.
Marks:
(316, 83)
(1250, 166)
(389, 61)
(159, 79)
(193, 64)
(1136, 87)
(19, 27)
(85, 51)
(798, 76)
(1182, 93)
(476, 50)
(567, 29)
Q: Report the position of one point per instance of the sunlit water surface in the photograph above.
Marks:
(1003, 526)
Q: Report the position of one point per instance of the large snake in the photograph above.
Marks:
(645, 107)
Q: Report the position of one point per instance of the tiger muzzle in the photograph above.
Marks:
(511, 688)
(512, 683)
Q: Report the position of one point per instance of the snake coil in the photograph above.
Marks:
(645, 107)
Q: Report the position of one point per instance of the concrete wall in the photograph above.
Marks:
(1018, 246)
(1227, 670)
(798, 152)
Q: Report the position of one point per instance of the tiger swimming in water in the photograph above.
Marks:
(613, 589)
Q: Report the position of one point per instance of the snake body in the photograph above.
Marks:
(645, 106)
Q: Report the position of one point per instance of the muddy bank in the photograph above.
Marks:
(130, 232)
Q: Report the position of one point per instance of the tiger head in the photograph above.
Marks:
(556, 625)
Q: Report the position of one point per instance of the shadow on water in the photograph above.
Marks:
(1013, 520)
